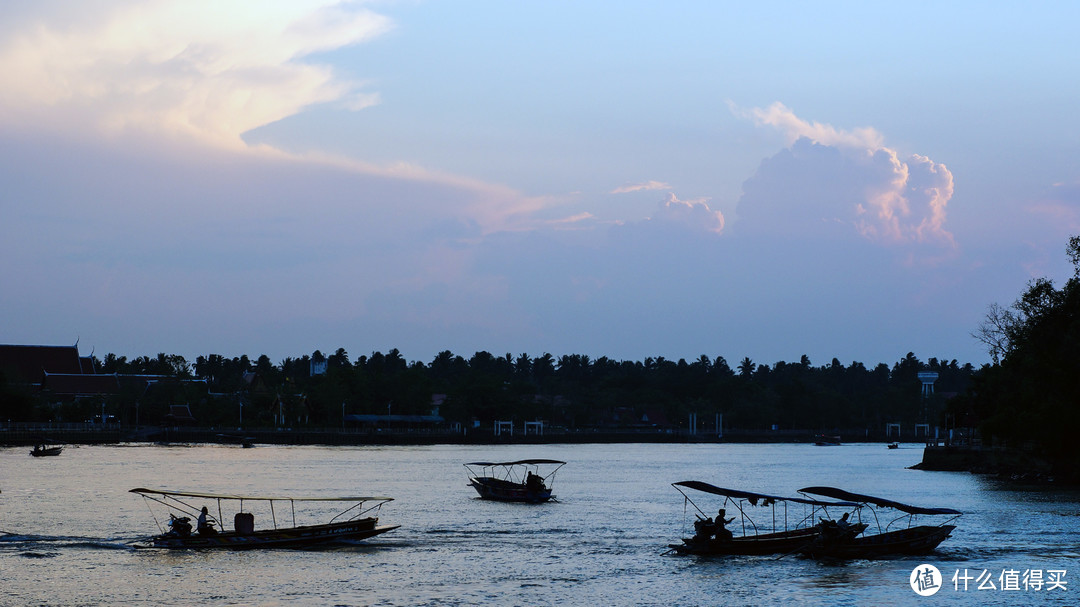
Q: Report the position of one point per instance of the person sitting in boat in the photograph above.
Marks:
(533, 482)
(841, 524)
(721, 531)
(205, 523)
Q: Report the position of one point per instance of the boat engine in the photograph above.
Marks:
(179, 525)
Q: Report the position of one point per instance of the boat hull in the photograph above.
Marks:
(48, 451)
(767, 543)
(921, 539)
(292, 537)
(501, 490)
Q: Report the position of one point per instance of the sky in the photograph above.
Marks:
(768, 180)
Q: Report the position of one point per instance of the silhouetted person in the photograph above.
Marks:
(722, 532)
(205, 525)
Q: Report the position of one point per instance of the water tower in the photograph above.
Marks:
(927, 378)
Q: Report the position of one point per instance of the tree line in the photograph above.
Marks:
(1027, 398)
(574, 390)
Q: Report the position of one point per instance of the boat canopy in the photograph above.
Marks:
(877, 501)
(523, 462)
(754, 497)
(221, 496)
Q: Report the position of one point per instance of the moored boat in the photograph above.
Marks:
(911, 539)
(796, 527)
(517, 481)
(356, 522)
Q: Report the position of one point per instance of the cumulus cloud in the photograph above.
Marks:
(691, 214)
(779, 116)
(638, 187)
(208, 69)
(674, 218)
(829, 176)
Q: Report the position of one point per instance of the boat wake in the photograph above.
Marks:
(46, 546)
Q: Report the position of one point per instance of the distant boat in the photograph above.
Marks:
(43, 450)
(246, 442)
(894, 445)
(822, 440)
(518, 481)
(355, 522)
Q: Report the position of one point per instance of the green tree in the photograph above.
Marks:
(1030, 395)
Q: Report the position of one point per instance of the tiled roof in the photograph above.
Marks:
(86, 363)
(27, 364)
(80, 385)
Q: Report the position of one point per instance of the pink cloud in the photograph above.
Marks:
(692, 214)
(648, 185)
(832, 176)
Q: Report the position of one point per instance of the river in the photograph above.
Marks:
(68, 522)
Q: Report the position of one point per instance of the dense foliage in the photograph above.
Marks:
(1030, 396)
(571, 390)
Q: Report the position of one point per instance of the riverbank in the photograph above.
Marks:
(28, 434)
(1008, 464)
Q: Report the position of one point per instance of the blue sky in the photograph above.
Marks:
(621, 179)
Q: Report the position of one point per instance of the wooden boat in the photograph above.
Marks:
(518, 481)
(43, 450)
(912, 539)
(780, 537)
(355, 522)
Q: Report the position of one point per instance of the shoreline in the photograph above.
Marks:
(29, 436)
(1012, 465)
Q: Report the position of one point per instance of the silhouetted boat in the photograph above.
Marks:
(43, 450)
(355, 522)
(777, 538)
(246, 442)
(912, 539)
(518, 481)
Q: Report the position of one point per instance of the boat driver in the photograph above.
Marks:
(722, 532)
(206, 523)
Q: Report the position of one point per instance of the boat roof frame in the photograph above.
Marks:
(520, 462)
(880, 502)
(735, 496)
(748, 495)
(263, 498)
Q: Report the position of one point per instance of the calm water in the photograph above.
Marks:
(67, 522)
